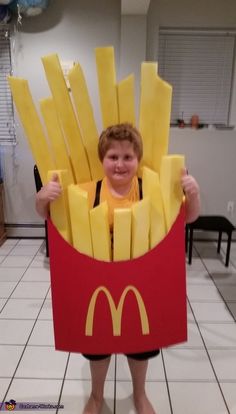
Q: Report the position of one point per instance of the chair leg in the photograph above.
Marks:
(228, 249)
(219, 241)
(190, 246)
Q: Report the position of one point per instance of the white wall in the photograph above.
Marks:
(210, 155)
(72, 29)
(133, 49)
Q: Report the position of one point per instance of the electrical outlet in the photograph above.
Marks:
(230, 207)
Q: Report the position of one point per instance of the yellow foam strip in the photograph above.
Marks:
(86, 119)
(100, 232)
(140, 227)
(155, 105)
(126, 100)
(59, 208)
(106, 72)
(171, 170)
(162, 116)
(152, 189)
(32, 126)
(55, 136)
(67, 117)
(147, 100)
(122, 234)
(80, 222)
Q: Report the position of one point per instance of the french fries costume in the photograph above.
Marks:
(132, 298)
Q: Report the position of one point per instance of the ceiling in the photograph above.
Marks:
(134, 6)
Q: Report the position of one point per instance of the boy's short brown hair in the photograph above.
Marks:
(120, 132)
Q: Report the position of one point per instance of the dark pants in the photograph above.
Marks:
(138, 357)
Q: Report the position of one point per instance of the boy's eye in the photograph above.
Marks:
(113, 157)
(128, 157)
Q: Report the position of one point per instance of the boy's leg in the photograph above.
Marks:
(138, 369)
(98, 369)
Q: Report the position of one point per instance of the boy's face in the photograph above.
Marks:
(120, 163)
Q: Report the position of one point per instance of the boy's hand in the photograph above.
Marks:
(189, 184)
(50, 191)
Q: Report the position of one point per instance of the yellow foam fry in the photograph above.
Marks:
(59, 208)
(155, 105)
(140, 227)
(55, 136)
(152, 189)
(162, 114)
(67, 117)
(170, 176)
(126, 100)
(147, 106)
(106, 72)
(32, 126)
(100, 232)
(86, 119)
(80, 221)
(122, 234)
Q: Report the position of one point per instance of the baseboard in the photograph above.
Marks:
(25, 230)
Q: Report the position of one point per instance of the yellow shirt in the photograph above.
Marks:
(112, 201)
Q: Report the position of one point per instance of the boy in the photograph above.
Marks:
(120, 151)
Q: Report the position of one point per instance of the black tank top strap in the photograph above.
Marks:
(98, 190)
(140, 186)
(97, 193)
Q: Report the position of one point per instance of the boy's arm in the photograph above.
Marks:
(192, 196)
(49, 192)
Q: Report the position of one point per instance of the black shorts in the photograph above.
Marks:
(138, 357)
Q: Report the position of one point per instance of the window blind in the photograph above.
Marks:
(7, 128)
(199, 67)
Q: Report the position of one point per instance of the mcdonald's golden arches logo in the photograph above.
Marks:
(116, 312)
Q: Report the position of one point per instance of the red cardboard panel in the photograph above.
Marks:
(119, 307)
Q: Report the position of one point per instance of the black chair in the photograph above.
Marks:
(219, 224)
(38, 185)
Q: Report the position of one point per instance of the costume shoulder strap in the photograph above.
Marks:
(97, 193)
(140, 186)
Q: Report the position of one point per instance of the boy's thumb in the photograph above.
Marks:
(54, 177)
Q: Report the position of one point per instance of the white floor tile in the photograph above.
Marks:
(9, 358)
(219, 334)
(205, 312)
(224, 363)
(187, 364)
(155, 370)
(10, 242)
(76, 392)
(6, 289)
(196, 398)
(232, 308)
(194, 338)
(5, 249)
(42, 334)
(31, 242)
(40, 261)
(228, 292)
(196, 265)
(31, 290)
(46, 312)
(25, 250)
(228, 389)
(197, 277)
(21, 309)
(15, 331)
(42, 362)
(17, 261)
(36, 391)
(2, 303)
(36, 274)
(203, 293)
(224, 278)
(4, 383)
(156, 392)
(78, 368)
(11, 274)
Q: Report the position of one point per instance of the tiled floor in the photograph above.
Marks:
(197, 377)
